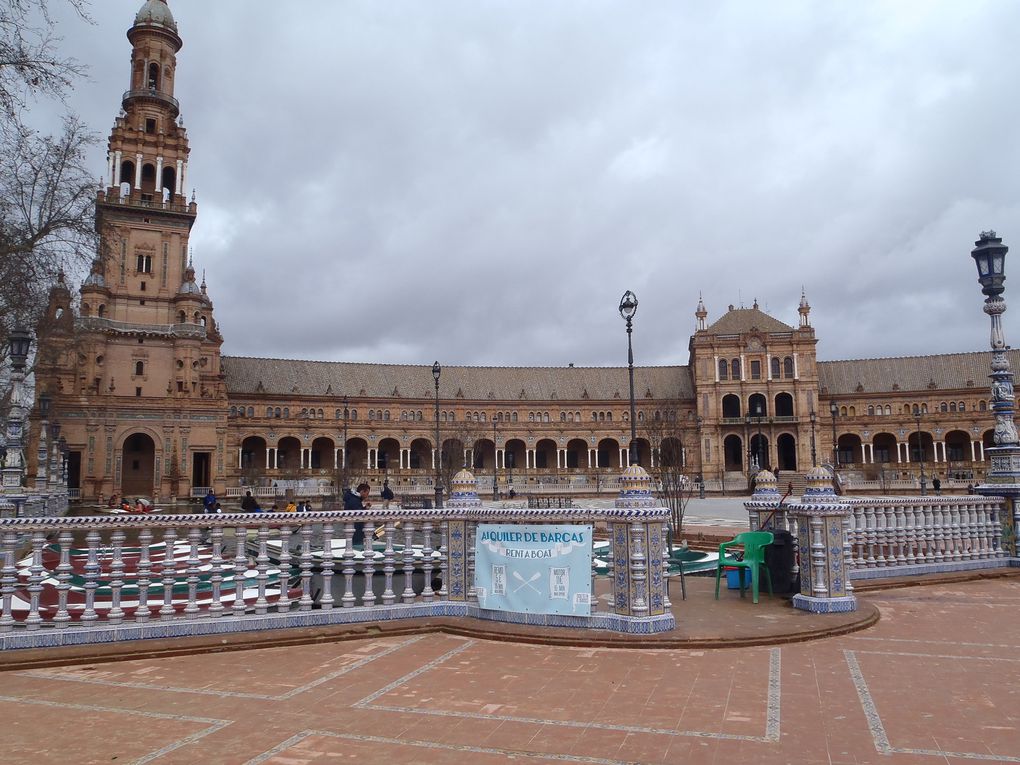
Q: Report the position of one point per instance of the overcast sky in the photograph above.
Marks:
(479, 182)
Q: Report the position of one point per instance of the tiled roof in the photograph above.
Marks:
(538, 384)
(738, 320)
(950, 371)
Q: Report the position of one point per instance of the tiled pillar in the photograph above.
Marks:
(821, 521)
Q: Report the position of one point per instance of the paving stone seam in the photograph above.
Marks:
(51, 675)
(513, 753)
(952, 657)
(214, 724)
(878, 732)
(934, 642)
(772, 710)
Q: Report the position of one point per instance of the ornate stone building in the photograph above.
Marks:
(149, 407)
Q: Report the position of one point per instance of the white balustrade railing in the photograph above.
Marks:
(903, 532)
(901, 536)
(73, 574)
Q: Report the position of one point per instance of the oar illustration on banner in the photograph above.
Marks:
(527, 582)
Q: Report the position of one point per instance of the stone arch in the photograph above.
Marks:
(784, 405)
(138, 453)
(731, 405)
(421, 454)
(253, 453)
(786, 451)
(609, 453)
(733, 452)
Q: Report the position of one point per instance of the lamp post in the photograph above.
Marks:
(920, 446)
(628, 307)
(814, 419)
(1003, 479)
(20, 342)
(701, 458)
(42, 454)
(495, 485)
(436, 372)
(759, 453)
(346, 465)
(834, 410)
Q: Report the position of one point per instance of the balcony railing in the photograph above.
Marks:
(102, 324)
(153, 95)
(134, 200)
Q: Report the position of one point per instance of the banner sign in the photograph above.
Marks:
(535, 569)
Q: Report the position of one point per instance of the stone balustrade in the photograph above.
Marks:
(895, 536)
(76, 580)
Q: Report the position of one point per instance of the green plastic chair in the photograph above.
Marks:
(754, 543)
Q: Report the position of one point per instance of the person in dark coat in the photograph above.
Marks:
(209, 502)
(248, 503)
(358, 501)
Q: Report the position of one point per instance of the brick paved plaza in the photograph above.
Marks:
(935, 681)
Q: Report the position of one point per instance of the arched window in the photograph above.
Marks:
(148, 178)
(153, 83)
(233, 411)
(945, 407)
(788, 367)
(269, 411)
(775, 367)
(276, 412)
(354, 414)
(962, 407)
(916, 409)
(563, 416)
(322, 415)
(723, 370)
(418, 417)
(102, 311)
(924, 409)
(888, 409)
(513, 417)
(169, 181)
(982, 406)
(483, 416)
(531, 416)
(139, 368)
(386, 416)
(371, 414)
(842, 411)
(853, 411)
(640, 416)
(251, 411)
(286, 412)
(735, 369)
(127, 172)
(871, 410)
(545, 417)
(594, 416)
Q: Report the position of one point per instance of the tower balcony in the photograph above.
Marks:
(153, 96)
(102, 324)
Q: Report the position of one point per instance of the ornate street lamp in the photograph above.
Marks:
(436, 372)
(814, 419)
(628, 307)
(920, 447)
(834, 410)
(1003, 479)
(42, 466)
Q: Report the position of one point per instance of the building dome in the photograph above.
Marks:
(156, 12)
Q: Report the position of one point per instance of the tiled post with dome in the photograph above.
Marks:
(824, 547)
(639, 548)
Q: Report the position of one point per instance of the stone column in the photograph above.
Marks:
(825, 576)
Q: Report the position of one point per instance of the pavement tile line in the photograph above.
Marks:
(772, 711)
(878, 733)
(49, 674)
(1008, 646)
(214, 724)
(511, 753)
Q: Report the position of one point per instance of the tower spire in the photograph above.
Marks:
(701, 314)
(804, 309)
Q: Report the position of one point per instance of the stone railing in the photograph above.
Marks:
(78, 580)
(900, 536)
(893, 536)
(102, 324)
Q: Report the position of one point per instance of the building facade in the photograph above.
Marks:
(149, 406)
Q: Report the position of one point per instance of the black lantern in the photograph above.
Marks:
(44, 405)
(989, 254)
(20, 341)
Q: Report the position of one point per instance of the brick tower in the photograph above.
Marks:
(139, 387)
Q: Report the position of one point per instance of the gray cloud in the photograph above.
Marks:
(481, 181)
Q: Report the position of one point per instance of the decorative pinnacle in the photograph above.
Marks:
(989, 234)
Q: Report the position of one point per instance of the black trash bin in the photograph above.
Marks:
(779, 558)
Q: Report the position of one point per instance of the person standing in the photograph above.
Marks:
(358, 501)
(386, 494)
(248, 503)
(209, 502)
(937, 485)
